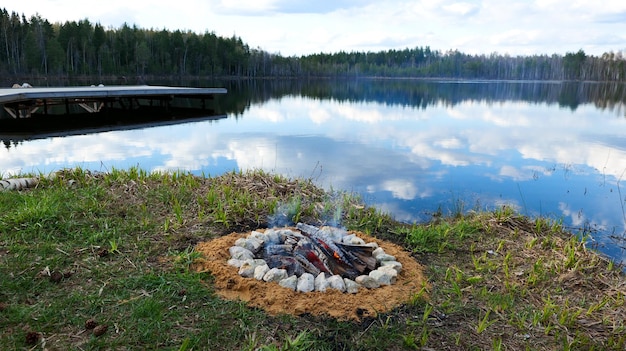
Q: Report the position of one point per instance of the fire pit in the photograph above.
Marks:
(307, 258)
(226, 281)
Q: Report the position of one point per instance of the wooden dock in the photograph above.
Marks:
(34, 113)
(25, 102)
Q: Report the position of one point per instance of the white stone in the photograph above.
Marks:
(385, 257)
(321, 284)
(275, 275)
(306, 283)
(256, 262)
(257, 235)
(252, 262)
(240, 253)
(259, 271)
(272, 236)
(384, 276)
(286, 231)
(357, 241)
(289, 282)
(393, 264)
(235, 262)
(336, 282)
(351, 286)
(246, 270)
(367, 282)
(255, 244)
(252, 244)
(378, 251)
(348, 238)
(372, 244)
(389, 269)
(240, 242)
(282, 234)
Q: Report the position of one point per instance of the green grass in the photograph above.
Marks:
(124, 241)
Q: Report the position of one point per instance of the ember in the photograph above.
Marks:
(308, 258)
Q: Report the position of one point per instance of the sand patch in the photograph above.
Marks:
(275, 299)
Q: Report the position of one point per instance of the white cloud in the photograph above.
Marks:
(461, 8)
(303, 27)
(577, 218)
(450, 143)
(270, 115)
(520, 174)
(400, 188)
(319, 115)
(256, 7)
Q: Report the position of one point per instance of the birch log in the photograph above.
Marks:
(18, 183)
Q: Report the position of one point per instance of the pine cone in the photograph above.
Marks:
(100, 329)
(90, 323)
(56, 276)
(32, 338)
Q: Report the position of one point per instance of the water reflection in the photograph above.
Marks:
(425, 93)
(410, 148)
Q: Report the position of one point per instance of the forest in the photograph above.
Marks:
(35, 47)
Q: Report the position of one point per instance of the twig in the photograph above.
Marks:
(131, 262)
(63, 252)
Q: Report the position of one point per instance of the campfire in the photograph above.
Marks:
(403, 280)
(309, 258)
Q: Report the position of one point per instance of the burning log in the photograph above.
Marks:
(316, 252)
(336, 259)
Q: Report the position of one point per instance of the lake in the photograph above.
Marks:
(411, 148)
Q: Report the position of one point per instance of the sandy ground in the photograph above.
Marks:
(275, 299)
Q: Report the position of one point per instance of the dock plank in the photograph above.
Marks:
(16, 95)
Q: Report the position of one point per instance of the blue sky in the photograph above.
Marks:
(298, 27)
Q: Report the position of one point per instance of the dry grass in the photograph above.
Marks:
(522, 284)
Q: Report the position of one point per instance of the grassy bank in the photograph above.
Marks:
(116, 251)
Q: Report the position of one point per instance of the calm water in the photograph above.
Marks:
(410, 148)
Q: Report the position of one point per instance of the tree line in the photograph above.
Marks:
(34, 46)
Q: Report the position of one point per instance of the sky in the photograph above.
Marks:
(299, 27)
